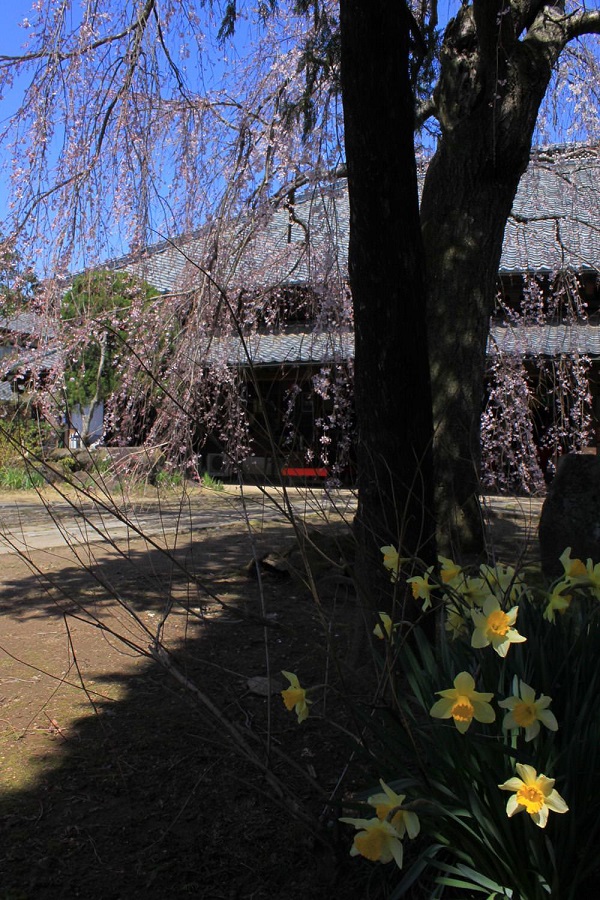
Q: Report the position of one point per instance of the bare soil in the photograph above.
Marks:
(116, 780)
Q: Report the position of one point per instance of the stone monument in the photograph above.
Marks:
(571, 513)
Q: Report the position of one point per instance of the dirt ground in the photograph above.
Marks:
(117, 779)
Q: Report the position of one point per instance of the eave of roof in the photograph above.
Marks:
(545, 340)
(322, 348)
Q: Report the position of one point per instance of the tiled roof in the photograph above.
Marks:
(21, 323)
(5, 391)
(545, 340)
(555, 220)
(301, 348)
(555, 224)
(297, 348)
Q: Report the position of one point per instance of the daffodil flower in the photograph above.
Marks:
(463, 703)
(376, 840)
(533, 794)
(388, 807)
(494, 626)
(504, 582)
(474, 591)
(388, 627)
(592, 577)
(455, 624)
(294, 697)
(557, 601)
(527, 712)
(422, 588)
(580, 575)
(391, 561)
(574, 568)
(450, 572)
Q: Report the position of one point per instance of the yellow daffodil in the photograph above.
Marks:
(503, 581)
(294, 697)
(455, 624)
(391, 561)
(450, 572)
(376, 840)
(574, 568)
(533, 794)
(592, 577)
(422, 588)
(388, 807)
(557, 601)
(463, 703)
(473, 590)
(388, 627)
(527, 712)
(494, 626)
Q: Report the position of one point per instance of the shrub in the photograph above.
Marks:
(22, 436)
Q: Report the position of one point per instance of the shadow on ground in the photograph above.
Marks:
(117, 784)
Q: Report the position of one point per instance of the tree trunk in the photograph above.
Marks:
(491, 84)
(463, 214)
(392, 388)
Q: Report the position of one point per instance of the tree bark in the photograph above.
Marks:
(386, 267)
(496, 65)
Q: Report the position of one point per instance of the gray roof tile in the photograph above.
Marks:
(555, 225)
(297, 348)
(545, 340)
(301, 348)
(21, 323)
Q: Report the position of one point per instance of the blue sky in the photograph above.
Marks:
(12, 37)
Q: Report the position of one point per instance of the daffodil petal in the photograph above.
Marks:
(483, 712)
(532, 731)
(442, 709)
(479, 639)
(556, 803)
(397, 852)
(464, 683)
(527, 693)
(358, 823)
(511, 784)
(462, 725)
(512, 806)
(293, 679)
(413, 824)
(541, 817)
(528, 773)
(548, 719)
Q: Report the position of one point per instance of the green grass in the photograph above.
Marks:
(213, 483)
(168, 479)
(17, 478)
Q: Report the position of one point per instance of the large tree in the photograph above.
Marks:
(385, 257)
(496, 64)
(140, 121)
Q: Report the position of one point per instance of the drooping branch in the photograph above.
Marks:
(58, 56)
